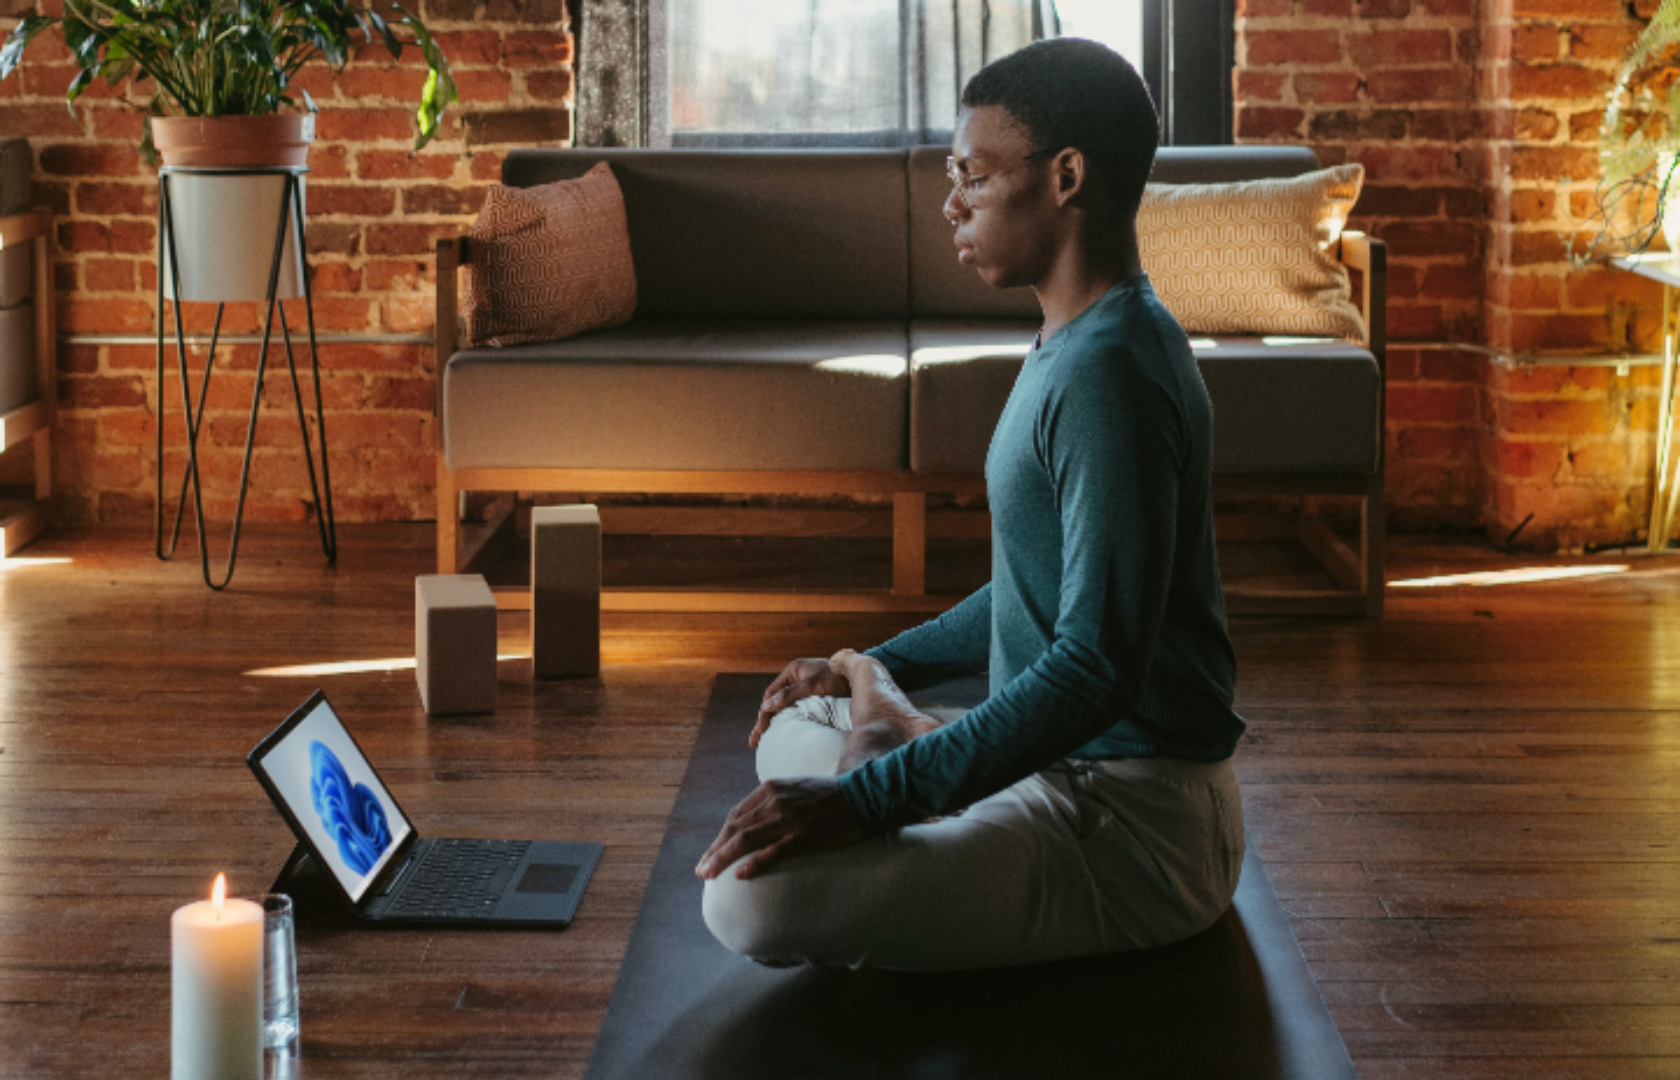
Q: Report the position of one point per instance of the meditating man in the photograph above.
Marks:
(1088, 805)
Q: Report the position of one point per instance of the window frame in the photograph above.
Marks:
(1178, 51)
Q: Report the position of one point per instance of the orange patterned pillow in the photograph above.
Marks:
(549, 262)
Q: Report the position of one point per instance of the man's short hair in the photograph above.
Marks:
(1072, 92)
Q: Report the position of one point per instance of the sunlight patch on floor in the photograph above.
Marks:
(355, 667)
(1519, 576)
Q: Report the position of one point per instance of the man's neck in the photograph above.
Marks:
(1082, 273)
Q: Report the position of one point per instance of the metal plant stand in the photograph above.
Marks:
(1664, 268)
(291, 218)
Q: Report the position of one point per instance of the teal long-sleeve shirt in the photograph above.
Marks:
(1103, 627)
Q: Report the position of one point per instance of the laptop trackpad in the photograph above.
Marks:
(548, 878)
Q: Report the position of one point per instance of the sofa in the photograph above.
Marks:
(28, 395)
(803, 327)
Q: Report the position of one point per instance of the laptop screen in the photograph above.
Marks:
(334, 794)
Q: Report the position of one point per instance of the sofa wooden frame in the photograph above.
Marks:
(23, 520)
(1358, 571)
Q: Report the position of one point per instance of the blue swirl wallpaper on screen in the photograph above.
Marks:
(351, 813)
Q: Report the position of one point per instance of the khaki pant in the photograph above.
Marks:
(1085, 857)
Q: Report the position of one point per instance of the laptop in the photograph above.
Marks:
(347, 821)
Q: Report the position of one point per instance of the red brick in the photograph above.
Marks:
(132, 200)
(79, 359)
(1600, 458)
(1421, 403)
(1259, 85)
(403, 165)
(119, 124)
(364, 83)
(101, 391)
(495, 87)
(1402, 85)
(1572, 416)
(1269, 47)
(1601, 41)
(1268, 123)
(410, 314)
(1551, 332)
(329, 163)
(1529, 43)
(1398, 201)
(1553, 163)
(364, 125)
(360, 200)
(1388, 164)
(386, 275)
(40, 121)
(1338, 9)
(1524, 291)
(1533, 204)
(1407, 322)
(109, 275)
(134, 357)
(387, 358)
(1550, 380)
(465, 48)
(1533, 125)
(434, 199)
(1328, 87)
(333, 238)
(536, 48)
(1385, 125)
(1400, 47)
(1450, 125)
(1557, 81)
(1431, 238)
(407, 238)
(1527, 459)
(1254, 9)
(331, 277)
(401, 393)
(1567, 9)
(89, 159)
(1445, 281)
(548, 85)
(333, 313)
(524, 127)
(486, 165)
(1429, 443)
(1530, 248)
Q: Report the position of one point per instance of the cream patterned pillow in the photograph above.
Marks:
(1255, 256)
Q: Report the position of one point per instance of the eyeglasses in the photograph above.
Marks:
(968, 187)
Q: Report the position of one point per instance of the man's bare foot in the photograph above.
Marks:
(882, 717)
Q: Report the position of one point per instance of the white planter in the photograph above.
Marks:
(224, 228)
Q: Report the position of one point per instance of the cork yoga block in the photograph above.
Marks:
(455, 644)
(565, 591)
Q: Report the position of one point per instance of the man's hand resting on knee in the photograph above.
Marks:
(799, 680)
(782, 818)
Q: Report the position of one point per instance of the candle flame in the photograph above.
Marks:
(219, 894)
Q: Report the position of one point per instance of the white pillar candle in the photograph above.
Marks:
(216, 977)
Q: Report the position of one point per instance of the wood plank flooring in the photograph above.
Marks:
(1470, 808)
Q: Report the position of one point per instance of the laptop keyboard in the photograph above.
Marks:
(459, 879)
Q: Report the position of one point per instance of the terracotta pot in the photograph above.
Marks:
(222, 142)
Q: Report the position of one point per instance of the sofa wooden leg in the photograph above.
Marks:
(448, 520)
(909, 543)
(1373, 532)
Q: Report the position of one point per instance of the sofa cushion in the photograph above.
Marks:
(1291, 405)
(961, 373)
(941, 287)
(742, 234)
(549, 262)
(1254, 256)
(760, 395)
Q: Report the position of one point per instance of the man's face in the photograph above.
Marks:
(1005, 226)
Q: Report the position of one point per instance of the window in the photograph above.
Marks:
(890, 72)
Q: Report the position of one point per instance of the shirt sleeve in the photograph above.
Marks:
(957, 643)
(1111, 445)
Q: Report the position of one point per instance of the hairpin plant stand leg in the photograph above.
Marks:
(291, 216)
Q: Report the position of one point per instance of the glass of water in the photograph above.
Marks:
(280, 989)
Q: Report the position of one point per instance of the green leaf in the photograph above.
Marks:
(392, 45)
(20, 37)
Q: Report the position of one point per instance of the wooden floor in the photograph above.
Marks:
(1471, 809)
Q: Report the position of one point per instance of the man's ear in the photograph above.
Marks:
(1068, 170)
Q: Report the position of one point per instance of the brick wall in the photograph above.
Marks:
(374, 211)
(1476, 124)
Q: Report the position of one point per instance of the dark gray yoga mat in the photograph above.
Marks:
(1234, 1003)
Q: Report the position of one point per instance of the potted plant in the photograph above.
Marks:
(222, 70)
(215, 80)
(1638, 194)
